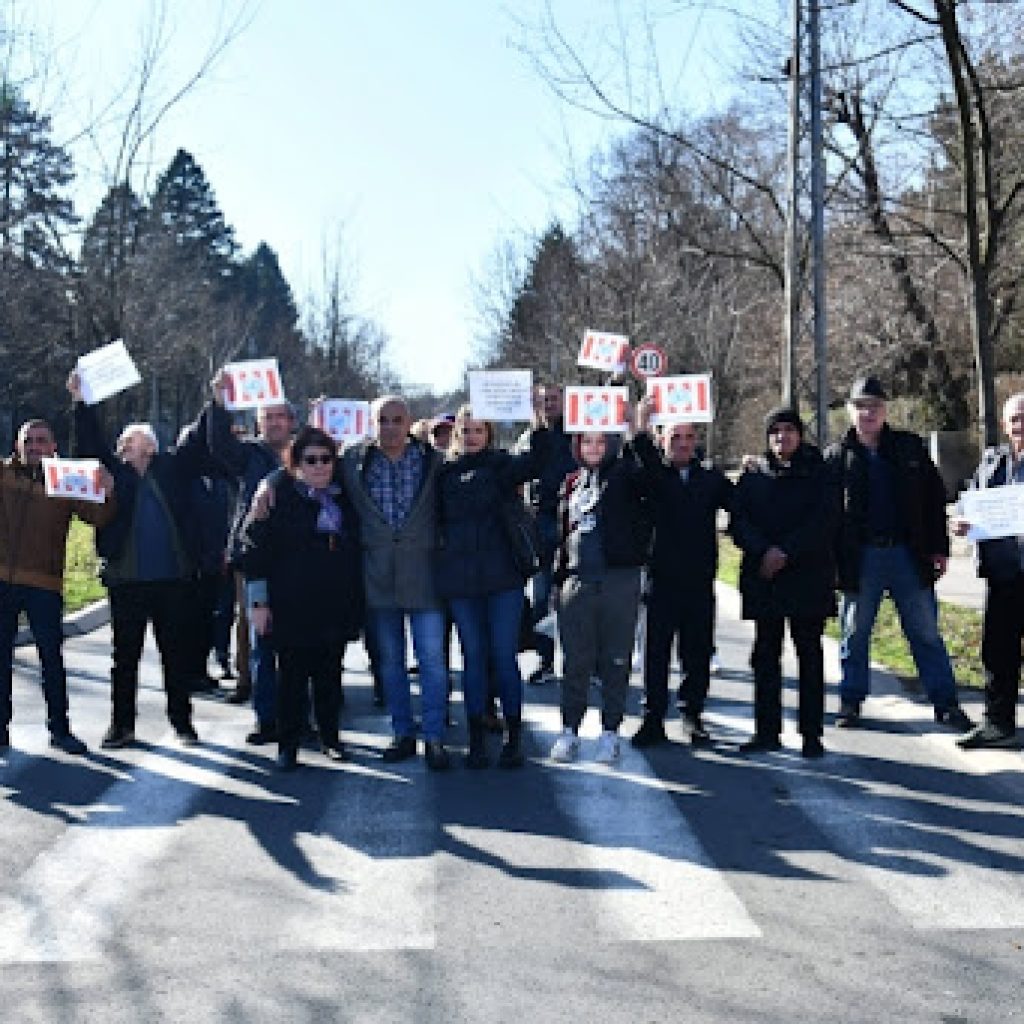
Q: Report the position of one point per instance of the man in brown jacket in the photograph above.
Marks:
(33, 535)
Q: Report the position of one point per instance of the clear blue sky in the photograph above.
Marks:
(414, 129)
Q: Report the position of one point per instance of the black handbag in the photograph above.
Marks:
(523, 537)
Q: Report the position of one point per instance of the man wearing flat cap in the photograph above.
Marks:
(782, 520)
(891, 538)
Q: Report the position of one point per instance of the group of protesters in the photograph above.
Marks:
(423, 527)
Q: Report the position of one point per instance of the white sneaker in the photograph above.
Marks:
(566, 747)
(715, 666)
(607, 748)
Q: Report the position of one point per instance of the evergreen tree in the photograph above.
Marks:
(35, 215)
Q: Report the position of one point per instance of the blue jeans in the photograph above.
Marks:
(44, 609)
(428, 638)
(489, 633)
(892, 569)
(263, 673)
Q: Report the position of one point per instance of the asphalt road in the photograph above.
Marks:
(884, 883)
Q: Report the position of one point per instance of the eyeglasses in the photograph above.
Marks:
(324, 460)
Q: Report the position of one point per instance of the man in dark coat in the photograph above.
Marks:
(891, 537)
(149, 551)
(782, 519)
(685, 496)
(1001, 563)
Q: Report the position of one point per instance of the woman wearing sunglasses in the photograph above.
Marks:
(305, 589)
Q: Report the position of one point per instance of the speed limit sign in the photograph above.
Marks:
(649, 361)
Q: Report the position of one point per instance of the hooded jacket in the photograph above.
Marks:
(621, 517)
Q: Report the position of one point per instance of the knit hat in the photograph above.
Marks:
(783, 414)
(867, 387)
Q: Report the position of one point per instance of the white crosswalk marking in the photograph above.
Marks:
(65, 905)
(628, 826)
(377, 844)
(936, 877)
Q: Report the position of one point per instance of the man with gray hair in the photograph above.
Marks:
(149, 551)
(391, 480)
(891, 538)
(1001, 563)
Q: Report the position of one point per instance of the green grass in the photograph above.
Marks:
(81, 569)
(961, 628)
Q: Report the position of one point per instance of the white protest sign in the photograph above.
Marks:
(252, 384)
(106, 371)
(504, 396)
(994, 512)
(343, 419)
(685, 399)
(604, 409)
(73, 478)
(601, 351)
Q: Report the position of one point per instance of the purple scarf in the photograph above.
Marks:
(328, 519)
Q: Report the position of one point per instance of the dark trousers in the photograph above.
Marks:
(133, 606)
(205, 592)
(223, 616)
(686, 609)
(1000, 650)
(766, 661)
(297, 668)
(44, 610)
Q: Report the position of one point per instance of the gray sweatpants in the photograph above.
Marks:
(596, 622)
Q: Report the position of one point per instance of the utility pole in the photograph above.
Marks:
(804, 353)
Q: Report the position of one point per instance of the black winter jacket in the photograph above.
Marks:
(997, 560)
(623, 515)
(245, 461)
(685, 516)
(173, 473)
(474, 556)
(919, 491)
(314, 580)
(792, 508)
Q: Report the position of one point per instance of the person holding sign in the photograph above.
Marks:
(481, 571)
(782, 520)
(33, 535)
(149, 549)
(891, 537)
(555, 464)
(302, 563)
(1001, 563)
(245, 462)
(686, 497)
(605, 536)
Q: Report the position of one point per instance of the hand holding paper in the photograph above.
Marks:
(105, 372)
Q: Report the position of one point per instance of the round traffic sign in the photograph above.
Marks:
(649, 361)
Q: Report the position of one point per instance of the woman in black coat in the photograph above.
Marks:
(481, 571)
(304, 573)
(782, 520)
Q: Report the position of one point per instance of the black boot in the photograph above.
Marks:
(511, 756)
(477, 755)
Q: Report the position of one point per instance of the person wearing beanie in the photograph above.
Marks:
(891, 537)
(782, 521)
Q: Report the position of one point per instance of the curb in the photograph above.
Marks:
(85, 620)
